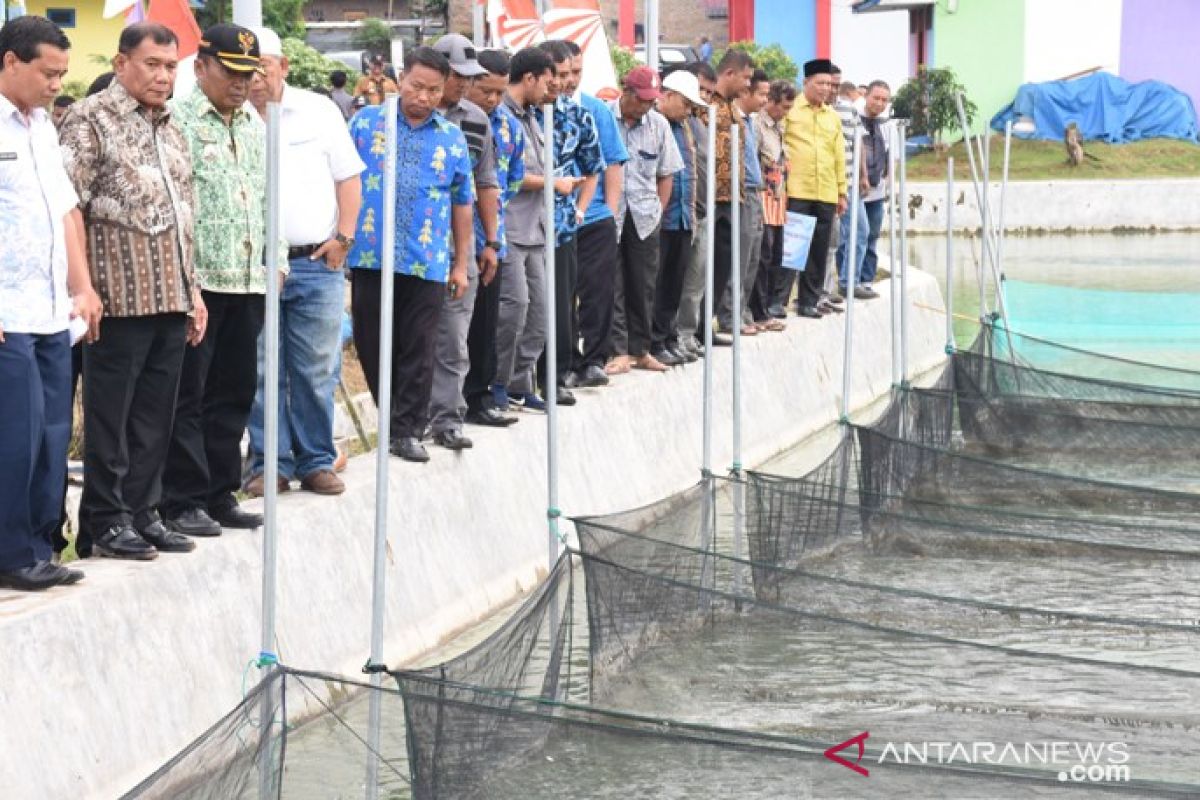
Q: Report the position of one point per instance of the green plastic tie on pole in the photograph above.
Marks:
(553, 513)
(266, 659)
(845, 420)
(736, 467)
(949, 349)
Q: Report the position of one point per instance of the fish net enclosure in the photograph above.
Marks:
(989, 564)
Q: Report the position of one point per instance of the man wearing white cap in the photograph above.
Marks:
(451, 359)
(320, 193)
(681, 97)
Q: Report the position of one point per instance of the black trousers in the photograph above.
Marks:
(675, 248)
(417, 309)
(216, 392)
(812, 281)
(481, 344)
(638, 275)
(566, 275)
(769, 265)
(596, 246)
(130, 387)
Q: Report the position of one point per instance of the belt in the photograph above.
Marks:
(303, 251)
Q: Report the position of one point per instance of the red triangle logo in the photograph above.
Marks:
(860, 740)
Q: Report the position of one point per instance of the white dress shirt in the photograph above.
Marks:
(316, 153)
(35, 196)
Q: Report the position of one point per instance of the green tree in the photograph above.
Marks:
(308, 69)
(285, 17)
(928, 101)
(772, 59)
(623, 61)
(374, 35)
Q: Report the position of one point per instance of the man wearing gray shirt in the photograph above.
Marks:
(521, 332)
(653, 159)
(451, 361)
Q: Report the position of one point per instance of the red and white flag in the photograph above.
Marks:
(514, 24)
(580, 21)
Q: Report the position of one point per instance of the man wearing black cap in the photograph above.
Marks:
(816, 183)
(451, 360)
(220, 374)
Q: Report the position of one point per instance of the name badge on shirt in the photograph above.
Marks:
(8, 156)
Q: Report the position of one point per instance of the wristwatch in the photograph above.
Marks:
(345, 241)
(494, 245)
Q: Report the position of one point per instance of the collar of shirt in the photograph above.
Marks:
(9, 109)
(199, 106)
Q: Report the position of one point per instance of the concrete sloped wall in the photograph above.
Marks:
(104, 681)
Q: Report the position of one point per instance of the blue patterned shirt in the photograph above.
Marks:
(680, 214)
(510, 170)
(433, 171)
(576, 155)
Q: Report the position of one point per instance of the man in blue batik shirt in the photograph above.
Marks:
(487, 92)
(434, 198)
(596, 240)
(576, 155)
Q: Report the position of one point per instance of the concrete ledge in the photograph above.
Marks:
(105, 681)
(1064, 206)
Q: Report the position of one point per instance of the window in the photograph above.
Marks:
(62, 17)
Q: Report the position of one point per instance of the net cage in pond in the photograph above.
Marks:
(925, 584)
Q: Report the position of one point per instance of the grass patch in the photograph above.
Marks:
(1037, 160)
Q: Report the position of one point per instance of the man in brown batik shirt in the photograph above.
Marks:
(132, 171)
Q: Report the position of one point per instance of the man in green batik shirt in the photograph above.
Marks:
(216, 388)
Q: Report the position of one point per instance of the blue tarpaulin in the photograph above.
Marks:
(1104, 107)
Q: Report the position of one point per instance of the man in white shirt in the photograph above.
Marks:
(44, 284)
(320, 194)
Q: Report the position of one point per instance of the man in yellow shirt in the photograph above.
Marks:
(816, 181)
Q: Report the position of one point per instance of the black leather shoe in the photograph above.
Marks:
(166, 540)
(122, 541)
(810, 312)
(570, 380)
(452, 440)
(409, 449)
(489, 417)
(194, 522)
(593, 376)
(666, 358)
(684, 355)
(721, 339)
(38, 576)
(778, 312)
(565, 396)
(234, 517)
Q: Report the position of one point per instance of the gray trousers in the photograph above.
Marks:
(521, 332)
(691, 300)
(752, 235)
(451, 361)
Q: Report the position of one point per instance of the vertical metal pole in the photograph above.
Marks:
(551, 387)
(894, 284)
(477, 25)
(391, 111)
(985, 172)
(652, 34)
(266, 658)
(735, 316)
(985, 255)
(708, 509)
(949, 255)
(1001, 234)
(903, 210)
(851, 273)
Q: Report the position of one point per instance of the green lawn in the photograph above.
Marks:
(1149, 158)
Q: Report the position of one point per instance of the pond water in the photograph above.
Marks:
(766, 673)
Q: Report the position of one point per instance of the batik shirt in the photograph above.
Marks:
(132, 169)
(433, 172)
(229, 162)
(509, 139)
(576, 155)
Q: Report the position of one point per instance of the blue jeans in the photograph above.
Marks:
(35, 429)
(310, 337)
(870, 221)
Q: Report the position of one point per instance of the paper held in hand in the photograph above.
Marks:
(797, 236)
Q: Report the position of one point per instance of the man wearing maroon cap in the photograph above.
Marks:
(653, 160)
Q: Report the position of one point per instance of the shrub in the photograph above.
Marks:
(308, 69)
(772, 59)
(928, 101)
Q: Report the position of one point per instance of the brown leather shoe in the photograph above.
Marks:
(322, 482)
(255, 486)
